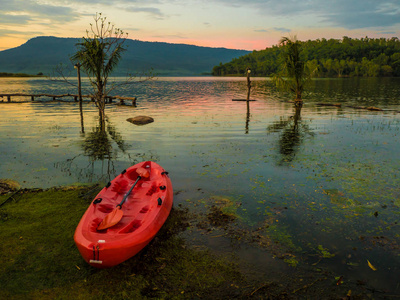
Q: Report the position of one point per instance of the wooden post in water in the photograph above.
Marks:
(248, 84)
(78, 67)
(248, 100)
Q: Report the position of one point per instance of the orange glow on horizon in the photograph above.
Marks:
(240, 44)
(11, 42)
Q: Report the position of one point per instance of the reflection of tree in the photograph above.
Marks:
(116, 136)
(293, 131)
(99, 146)
(247, 117)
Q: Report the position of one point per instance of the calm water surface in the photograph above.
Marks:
(321, 186)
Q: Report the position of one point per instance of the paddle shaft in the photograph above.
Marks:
(127, 194)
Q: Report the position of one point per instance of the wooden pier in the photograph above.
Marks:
(109, 99)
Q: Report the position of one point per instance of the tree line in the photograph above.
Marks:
(5, 74)
(346, 57)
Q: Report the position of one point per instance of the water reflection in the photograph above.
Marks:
(327, 200)
(97, 147)
(247, 117)
(293, 131)
(102, 146)
(379, 92)
(98, 143)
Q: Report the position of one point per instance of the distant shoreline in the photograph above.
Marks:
(4, 74)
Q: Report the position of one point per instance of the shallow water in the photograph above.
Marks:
(322, 183)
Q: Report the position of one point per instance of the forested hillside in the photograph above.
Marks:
(335, 58)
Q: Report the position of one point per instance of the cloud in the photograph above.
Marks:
(363, 14)
(25, 11)
(355, 14)
(153, 11)
(7, 19)
(388, 32)
(282, 29)
(363, 20)
(170, 36)
(132, 29)
(10, 32)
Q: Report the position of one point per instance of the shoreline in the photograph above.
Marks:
(154, 272)
(14, 75)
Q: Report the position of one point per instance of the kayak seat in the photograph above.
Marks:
(105, 208)
(133, 175)
(120, 187)
(144, 209)
(132, 226)
(152, 190)
(95, 223)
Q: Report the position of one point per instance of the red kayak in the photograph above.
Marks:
(125, 216)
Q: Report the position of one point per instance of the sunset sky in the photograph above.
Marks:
(237, 24)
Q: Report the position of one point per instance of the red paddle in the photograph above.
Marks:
(116, 215)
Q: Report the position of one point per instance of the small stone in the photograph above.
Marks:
(141, 120)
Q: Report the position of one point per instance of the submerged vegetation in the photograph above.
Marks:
(344, 57)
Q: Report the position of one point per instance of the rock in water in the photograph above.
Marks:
(141, 120)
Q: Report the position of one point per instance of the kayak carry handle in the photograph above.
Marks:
(98, 200)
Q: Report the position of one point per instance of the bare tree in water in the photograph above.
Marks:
(98, 54)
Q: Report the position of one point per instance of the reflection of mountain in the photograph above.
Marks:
(293, 131)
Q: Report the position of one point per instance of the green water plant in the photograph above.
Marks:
(291, 261)
(324, 252)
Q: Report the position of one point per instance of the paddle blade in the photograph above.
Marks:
(111, 219)
(142, 172)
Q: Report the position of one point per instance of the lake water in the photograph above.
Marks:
(315, 190)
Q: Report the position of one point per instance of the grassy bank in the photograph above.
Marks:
(40, 260)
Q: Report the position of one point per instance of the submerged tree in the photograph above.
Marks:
(98, 54)
(295, 74)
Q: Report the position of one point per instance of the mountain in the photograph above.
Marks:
(44, 54)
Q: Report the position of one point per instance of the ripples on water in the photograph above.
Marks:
(316, 178)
